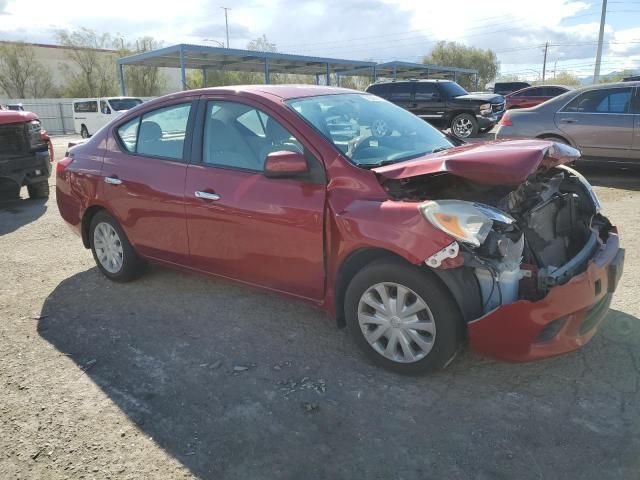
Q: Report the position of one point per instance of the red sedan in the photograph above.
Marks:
(532, 96)
(357, 206)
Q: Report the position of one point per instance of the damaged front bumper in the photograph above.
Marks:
(563, 321)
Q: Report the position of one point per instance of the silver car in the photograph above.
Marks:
(602, 121)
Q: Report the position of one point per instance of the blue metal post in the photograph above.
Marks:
(121, 75)
(183, 73)
(266, 71)
(328, 77)
(395, 72)
(205, 82)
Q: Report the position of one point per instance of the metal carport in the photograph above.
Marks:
(185, 56)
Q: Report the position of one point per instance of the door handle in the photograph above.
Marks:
(207, 195)
(568, 120)
(112, 180)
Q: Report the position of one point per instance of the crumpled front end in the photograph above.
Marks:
(537, 261)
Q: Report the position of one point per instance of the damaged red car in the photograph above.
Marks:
(410, 240)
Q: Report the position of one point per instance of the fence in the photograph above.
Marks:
(55, 114)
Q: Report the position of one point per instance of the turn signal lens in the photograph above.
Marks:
(505, 121)
(62, 164)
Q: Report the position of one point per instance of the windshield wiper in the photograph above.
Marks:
(440, 149)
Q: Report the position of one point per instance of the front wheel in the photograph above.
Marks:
(402, 318)
(84, 133)
(464, 125)
(111, 249)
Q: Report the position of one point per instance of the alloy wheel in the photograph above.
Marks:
(396, 322)
(462, 127)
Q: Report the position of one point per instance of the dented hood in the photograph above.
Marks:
(14, 116)
(508, 162)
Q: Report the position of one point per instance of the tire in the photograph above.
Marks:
(441, 316)
(553, 138)
(115, 257)
(464, 126)
(39, 190)
(84, 133)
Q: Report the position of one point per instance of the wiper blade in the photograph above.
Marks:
(440, 149)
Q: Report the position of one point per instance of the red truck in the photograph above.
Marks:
(26, 154)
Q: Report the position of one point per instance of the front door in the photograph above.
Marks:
(243, 225)
(430, 104)
(600, 122)
(144, 176)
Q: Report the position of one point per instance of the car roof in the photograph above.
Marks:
(413, 80)
(284, 92)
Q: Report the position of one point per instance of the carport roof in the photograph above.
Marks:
(200, 56)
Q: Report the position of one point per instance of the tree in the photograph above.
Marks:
(21, 75)
(566, 78)
(453, 54)
(261, 44)
(617, 76)
(142, 81)
(94, 73)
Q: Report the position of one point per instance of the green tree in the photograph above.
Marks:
(21, 75)
(90, 53)
(453, 54)
(565, 78)
(142, 81)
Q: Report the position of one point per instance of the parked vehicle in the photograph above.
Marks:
(25, 155)
(348, 202)
(532, 96)
(91, 114)
(445, 104)
(15, 106)
(505, 88)
(603, 121)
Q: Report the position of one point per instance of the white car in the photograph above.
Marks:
(91, 114)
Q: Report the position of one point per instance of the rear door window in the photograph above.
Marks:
(427, 92)
(90, 106)
(401, 91)
(162, 132)
(610, 100)
(380, 89)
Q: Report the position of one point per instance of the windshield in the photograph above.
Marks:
(453, 89)
(120, 104)
(368, 130)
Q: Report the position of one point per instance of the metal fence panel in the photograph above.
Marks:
(55, 114)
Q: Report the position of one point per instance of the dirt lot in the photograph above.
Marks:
(181, 376)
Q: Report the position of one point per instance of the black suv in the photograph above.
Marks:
(445, 104)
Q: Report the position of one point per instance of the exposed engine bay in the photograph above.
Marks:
(518, 241)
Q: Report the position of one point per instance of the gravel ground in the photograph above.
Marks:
(182, 376)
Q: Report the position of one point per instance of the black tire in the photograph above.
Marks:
(39, 190)
(84, 133)
(448, 321)
(554, 138)
(132, 265)
(466, 118)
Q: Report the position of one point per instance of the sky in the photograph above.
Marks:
(380, 30)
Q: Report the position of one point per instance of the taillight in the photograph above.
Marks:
(62, 164)
(505, 121)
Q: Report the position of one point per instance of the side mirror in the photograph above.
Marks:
(285, 164)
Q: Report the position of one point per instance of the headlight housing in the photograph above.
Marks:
(485, 109)
(467, 222)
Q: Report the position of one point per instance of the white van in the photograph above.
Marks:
(91, 114)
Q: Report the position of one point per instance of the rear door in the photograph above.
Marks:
(243, 225)
(144, 174)
(429, 102)
(600, 122)
(401, 93)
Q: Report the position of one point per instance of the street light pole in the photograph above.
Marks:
(226, 22)
(544, 64)
(596, 72)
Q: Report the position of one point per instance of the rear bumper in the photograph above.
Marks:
(563, 321)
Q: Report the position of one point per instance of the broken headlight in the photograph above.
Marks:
(467, 222)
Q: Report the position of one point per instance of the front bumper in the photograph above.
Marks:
(27, 169)
(563, 321)
(488, 120)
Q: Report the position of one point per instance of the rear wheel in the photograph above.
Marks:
(464, 125)
(554, 138)
(111, 249)
(39, 190)
(402, 318)
(84, 133)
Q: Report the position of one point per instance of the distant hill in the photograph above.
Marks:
(589, 80)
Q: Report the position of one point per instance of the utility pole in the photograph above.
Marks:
(555, 64)
(226, 22)
(596, 72)
(544, 64)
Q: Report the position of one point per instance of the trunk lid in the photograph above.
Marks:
(508, 162)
